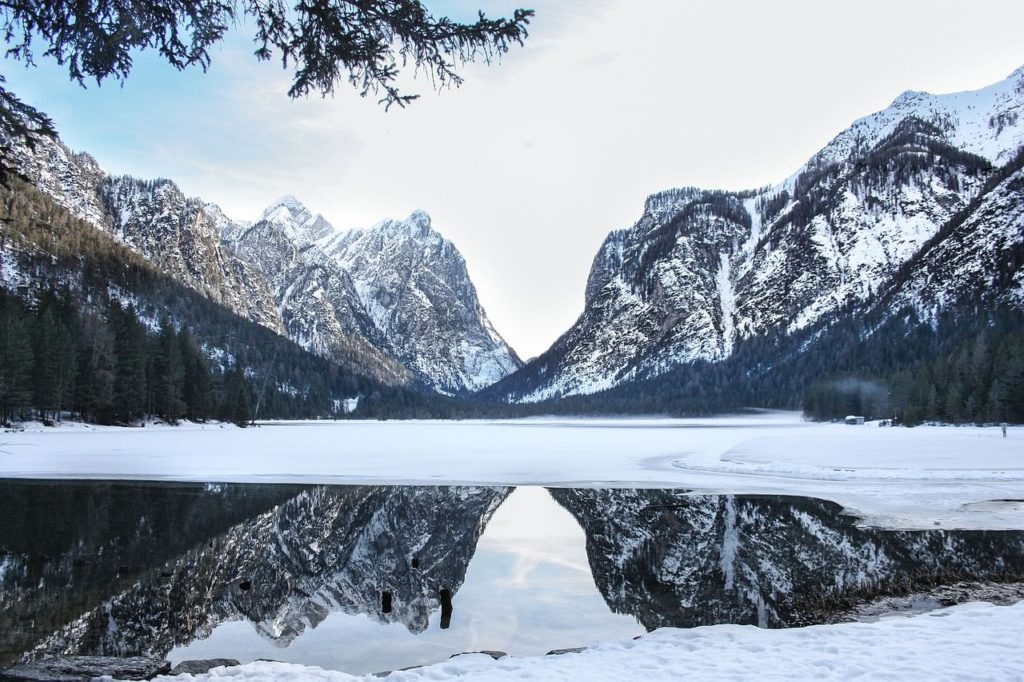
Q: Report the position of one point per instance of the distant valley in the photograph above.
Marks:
(910, 220)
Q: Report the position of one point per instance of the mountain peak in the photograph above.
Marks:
(284, 205)
(419, 217)
(909, 97)
(417, 225)
(419, 220)
(296, 219)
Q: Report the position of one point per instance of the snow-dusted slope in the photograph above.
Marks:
(414, 284)
(177, 234)
(315, 298)
(399, 287)
(702, 269)
(180, 236)
(988, 122)
(978, 258)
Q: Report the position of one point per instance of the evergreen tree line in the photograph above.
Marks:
(965, 366)
(59, 361)
(971, 370)
(108, 368)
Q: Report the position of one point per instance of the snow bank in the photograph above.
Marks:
(891, 477)
(970, 641)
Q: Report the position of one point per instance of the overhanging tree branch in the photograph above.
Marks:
(366, 43)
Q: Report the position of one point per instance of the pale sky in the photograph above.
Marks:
(533, 161)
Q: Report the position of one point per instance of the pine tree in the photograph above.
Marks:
(198, 387)
(130, 350)
(94, 386)
(235, 407)
(168, 373)
(16, 361)
(54, 366)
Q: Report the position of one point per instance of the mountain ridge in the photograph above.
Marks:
(703, 269)
(400, 283)
(294, 288)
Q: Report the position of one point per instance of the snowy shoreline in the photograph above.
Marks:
(962, 642)
(892, 477)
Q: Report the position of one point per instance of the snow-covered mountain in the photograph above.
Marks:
(399, 287)
(414, 284)
(154, 218)
(394, 302)
(703, 269)
(315, 298)
(978, 257)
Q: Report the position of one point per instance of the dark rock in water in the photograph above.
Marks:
(574, 650)
(496, 655)
(76, 668)
(203, 666)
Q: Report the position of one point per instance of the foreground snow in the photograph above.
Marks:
(966, 477)
(971, 641)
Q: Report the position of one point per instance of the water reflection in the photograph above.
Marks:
(409, 575)
(527, 590)
(672, 559)
(282, 565)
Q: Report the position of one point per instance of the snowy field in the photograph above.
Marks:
(971, 641)
(962, 477)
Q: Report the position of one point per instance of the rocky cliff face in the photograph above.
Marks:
(977, 258)
(414, 284)
(181, 237)
(177, 234)
(399, 287)
(702, 269)
(394, 302)
(315, 298)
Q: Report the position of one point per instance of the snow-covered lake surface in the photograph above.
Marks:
(955, 477)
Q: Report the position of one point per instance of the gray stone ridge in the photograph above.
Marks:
(81, 668)
(201, 667)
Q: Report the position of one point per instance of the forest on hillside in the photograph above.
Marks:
(73, 285)
(97, 332)
(965, 366)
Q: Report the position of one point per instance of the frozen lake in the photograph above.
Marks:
(370, 578)
(966, 477)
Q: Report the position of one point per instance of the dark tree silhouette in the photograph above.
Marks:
(367, 43)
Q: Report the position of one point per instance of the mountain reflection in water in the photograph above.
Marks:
(405, 575)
